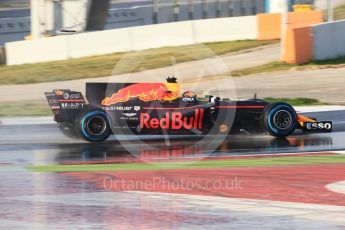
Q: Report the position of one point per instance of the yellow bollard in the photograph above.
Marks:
(302, 8)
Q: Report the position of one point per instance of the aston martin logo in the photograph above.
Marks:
(129, 114)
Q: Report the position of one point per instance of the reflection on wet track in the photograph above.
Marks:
(181, 149)
(156, 149)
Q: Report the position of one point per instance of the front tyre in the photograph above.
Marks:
(279, 119)
(93, 126)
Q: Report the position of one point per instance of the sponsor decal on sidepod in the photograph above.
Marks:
(173, 120)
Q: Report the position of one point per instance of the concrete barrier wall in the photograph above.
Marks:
(329, 40)
(131, 13)
(298, 45)
(225, 29)
(303, 44)
(269, 25)
(98, 43)
(307, 18)
(316, 42)
(40, 50)
(162, 35)
(129, 39)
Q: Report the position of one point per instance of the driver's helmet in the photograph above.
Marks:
(189, 96)
(189, 93)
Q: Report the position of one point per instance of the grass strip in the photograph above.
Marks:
(25, 109)
(119, 63)
(254, 162)
(278, 66)
(298, 101)
(339, 12)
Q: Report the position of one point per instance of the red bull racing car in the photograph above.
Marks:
(160, 108)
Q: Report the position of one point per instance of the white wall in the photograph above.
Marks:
(225, 29)
(162, 35)
(276, 6)
(329, 40)
(98, 43)
(129, 39)
(38, 50)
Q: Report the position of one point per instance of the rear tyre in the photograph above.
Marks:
(93, 126)
(279, 119)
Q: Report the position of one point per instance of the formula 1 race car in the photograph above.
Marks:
(159, 108)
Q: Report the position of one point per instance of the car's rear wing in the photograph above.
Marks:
(65, 104)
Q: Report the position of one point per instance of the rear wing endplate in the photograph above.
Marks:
(65, 100)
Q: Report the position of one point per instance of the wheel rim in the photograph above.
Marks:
(282, 119)
(96, 125)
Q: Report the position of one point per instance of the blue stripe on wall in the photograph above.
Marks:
(267, 6)
(291, 3)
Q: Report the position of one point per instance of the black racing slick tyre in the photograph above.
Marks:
(279, 119)
(93, 126)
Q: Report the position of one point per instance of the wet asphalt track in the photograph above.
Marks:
(44, 143)
(60, 201)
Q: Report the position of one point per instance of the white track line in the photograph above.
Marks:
(27, 121)
(339, 152)
(338, 187)
(325, 108)
(277, 208)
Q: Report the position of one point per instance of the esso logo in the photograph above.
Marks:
(327, 125)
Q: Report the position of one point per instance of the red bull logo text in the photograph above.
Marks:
(173, 120)
(145, 92)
